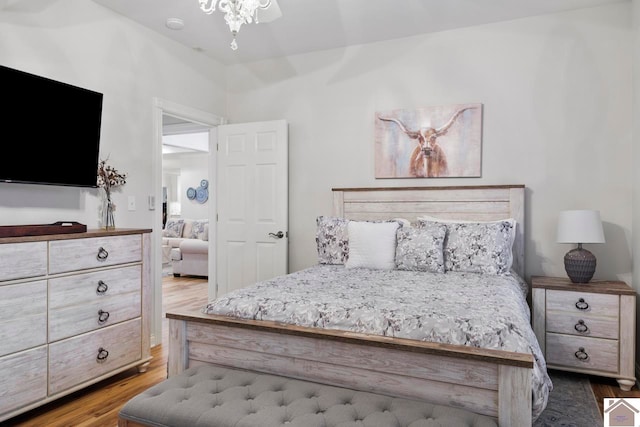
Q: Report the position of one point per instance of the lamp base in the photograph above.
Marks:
(580, 265)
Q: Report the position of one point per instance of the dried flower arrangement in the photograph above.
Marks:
(109, 178)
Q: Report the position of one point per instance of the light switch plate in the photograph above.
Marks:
(131, 203)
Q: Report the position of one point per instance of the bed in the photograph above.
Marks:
(272, 334)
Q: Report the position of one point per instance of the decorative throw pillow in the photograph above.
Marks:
(462, 221)
(332, 240)
(205, 234)
(420, 249)
(198, 229)
(372, 244)
(173, 228)
(481, 247)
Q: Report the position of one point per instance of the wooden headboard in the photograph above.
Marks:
(487, 202)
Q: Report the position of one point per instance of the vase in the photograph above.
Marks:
(108, 221)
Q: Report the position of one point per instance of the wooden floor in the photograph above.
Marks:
(98, 405)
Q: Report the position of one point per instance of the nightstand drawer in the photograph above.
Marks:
(88, 356)
(582, 353)
(584, 303)
(80, 254)
(582, 325)
(583, 314)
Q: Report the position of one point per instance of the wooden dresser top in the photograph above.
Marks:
(84, 235)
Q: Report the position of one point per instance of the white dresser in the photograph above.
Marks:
(74, 310)
(587, 328)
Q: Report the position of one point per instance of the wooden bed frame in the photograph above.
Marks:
(490, 382)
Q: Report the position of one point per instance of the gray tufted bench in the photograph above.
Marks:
(221, 397)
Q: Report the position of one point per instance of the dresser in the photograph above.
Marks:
(588, 328)
(74, 310)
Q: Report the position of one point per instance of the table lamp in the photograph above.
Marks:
(580, 226)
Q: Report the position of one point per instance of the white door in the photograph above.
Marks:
(252, 237)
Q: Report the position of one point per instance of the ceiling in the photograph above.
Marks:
(310, 25)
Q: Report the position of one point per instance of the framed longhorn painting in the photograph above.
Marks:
(431, 142)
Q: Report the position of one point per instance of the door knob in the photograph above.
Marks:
(278, 235)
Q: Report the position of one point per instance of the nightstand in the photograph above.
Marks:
(587, 327)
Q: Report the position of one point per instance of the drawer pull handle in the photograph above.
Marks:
(102, 288)
(102, 254)
(582, 355)
(103, 316)
(582, 304)
(581, 327)
(102, 355)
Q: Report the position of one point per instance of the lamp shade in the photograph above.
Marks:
(580, 226)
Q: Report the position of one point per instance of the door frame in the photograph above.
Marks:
(161, 107)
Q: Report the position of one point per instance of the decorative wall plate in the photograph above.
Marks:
(202, 194)
(204, 183)
(191, 193)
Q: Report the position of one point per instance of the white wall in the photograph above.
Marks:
(84, 44)
(557, 118)
(193, 168)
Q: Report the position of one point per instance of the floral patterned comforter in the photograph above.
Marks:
(473, 309)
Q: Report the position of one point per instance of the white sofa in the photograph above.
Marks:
(185, 244)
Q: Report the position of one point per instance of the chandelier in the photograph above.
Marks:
(236, 13)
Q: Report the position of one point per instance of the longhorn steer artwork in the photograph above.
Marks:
(451, 149)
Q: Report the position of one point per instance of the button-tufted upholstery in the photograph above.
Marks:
(220, 397)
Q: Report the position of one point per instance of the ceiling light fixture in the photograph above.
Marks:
(237, 12)
(175, 23)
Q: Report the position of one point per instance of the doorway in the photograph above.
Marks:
(177, 116)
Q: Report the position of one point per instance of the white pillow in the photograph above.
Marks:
(372, 245)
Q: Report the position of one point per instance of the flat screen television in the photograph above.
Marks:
(50, 131)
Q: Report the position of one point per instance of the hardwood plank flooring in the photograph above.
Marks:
(98, 405)
(608, 387)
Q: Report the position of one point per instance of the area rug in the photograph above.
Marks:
(571, 403)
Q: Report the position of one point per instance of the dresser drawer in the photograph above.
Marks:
(23, 316)
(23, 260)
(85, 302)
(82, 358)
(79, 254)
(602, 353)
(27, 382)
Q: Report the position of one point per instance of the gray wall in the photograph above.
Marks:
(557, 118)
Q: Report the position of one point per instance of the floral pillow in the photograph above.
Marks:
(420, 249)
(478, 247)
(198, 229)
(173, 228)
(332, 239)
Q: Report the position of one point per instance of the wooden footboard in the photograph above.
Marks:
(489, 382)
